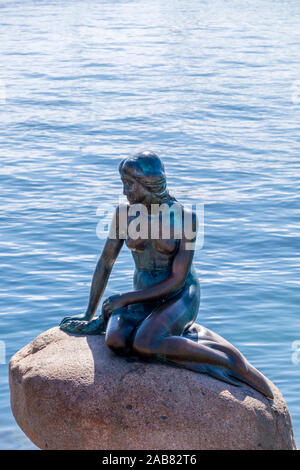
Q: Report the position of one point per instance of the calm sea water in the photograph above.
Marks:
(213, 88)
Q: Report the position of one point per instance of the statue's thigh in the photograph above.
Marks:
(172, 317)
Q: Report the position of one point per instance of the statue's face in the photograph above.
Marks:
(133, 190)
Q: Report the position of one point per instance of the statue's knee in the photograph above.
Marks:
(116, 343)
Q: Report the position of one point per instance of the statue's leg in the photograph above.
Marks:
(160, 336)
(243, 371)
(121, 327)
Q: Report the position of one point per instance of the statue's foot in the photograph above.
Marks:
(81, 327)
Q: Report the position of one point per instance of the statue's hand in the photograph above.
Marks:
(112, 303)
(82, 327)
(81, 317)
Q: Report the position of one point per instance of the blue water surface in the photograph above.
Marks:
(213, 88)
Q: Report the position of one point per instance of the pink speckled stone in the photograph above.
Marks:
(72, 392)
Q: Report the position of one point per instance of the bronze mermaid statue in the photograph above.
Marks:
(156, 320)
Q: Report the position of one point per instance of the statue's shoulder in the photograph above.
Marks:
(190, 222)
(122, 208)
(188, 213)
(118, 227)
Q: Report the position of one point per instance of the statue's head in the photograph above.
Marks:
(144, 178)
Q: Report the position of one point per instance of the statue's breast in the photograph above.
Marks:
(136, 245)
(168, 246)
(150, 235)
(165, 246)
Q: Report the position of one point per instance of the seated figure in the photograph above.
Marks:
(156, 321)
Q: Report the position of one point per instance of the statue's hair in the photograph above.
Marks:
(148, 169)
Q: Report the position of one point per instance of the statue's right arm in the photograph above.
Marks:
(112, 247)
(101, 275)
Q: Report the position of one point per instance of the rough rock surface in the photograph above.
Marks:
(72, 392)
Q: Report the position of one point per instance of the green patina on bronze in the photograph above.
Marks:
(156, 320)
